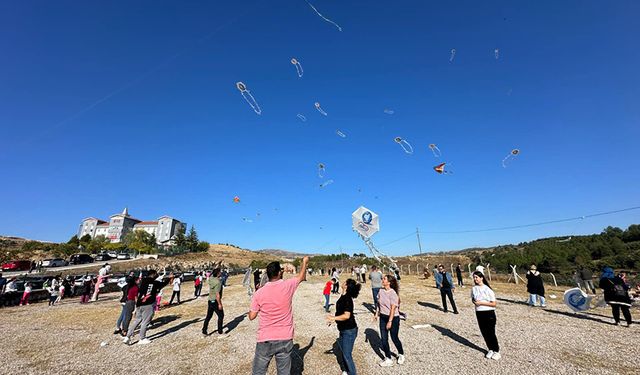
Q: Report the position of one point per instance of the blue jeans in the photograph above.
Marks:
(266, 350)
(375, 296)
(346, 340)
(533, 299)
(120, 319)
(326, 302)
(384, 334)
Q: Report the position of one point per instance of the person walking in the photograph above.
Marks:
(197, 285)
(273, 303)
(61, 290)
(327, 293)
(388, 301)
(25, 295)
(586, 277)
(129, 304)
(336, 285)
(484, 300)
(53, 292)
(616, 295)
(444, 282)
(123, 300)
(177, 280)
(103, 274)
(356, 271)
(346, 322)
(535, 287)
(148, 290)
(459, 275)
(363, 273)
(215, 303)
(376, 284)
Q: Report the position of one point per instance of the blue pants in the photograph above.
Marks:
(375, 296)
(346, 340)
(384, 334)
(326, 302)
(533, 299)
(120, 319)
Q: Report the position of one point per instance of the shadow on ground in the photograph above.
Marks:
(430, 305)
(297, 357)
(457, 338)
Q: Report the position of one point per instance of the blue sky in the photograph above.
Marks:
(111, 104)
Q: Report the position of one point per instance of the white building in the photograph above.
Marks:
(165, 228)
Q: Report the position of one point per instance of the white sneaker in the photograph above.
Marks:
(400, 359)
(223, 335)
(345, 373)
(144, 342)
(126, 340)
(496, 356)
(489, 354)
(386, 363)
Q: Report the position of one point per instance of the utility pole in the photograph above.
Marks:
(418, 235)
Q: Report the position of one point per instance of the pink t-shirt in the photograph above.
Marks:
(272, 302)
(386, 299)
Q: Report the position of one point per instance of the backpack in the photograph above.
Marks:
(618, 290)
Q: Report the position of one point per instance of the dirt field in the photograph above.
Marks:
(67, 338)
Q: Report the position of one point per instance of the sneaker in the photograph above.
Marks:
(116, 331)
(223, 335)
(543, 305)
(496, 356)
(489, 354)
(345, 373)
(386, 363)
(456, 312)
(126, 340)
(400, 359)
(144, 342)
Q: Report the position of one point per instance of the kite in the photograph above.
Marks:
(435, 150)
(326, 183)
(301, 117)
(236, 199)
(453, 54)
(247, 220)
(511, 155)
(440, 168)
(577, 300)
(321, 170)
(404, 144)
(496, 52)
(389, 111)
(323, 17)
(320, 109)
(366, 223)
(246, 94)
(299, 70)
(341, 134)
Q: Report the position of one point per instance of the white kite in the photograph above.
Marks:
(577, 300)
(299, 70)
(246, 94)
(366, 223)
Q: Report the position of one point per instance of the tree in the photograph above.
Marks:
(74, 241)
(192, 239)
(140, 241)
(202, 247)
(97, 244)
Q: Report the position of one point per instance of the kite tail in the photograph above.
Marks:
(323, 17)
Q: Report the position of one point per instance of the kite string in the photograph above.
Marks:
(323, 17)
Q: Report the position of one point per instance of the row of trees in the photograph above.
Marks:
(138, 241)
(613, 247)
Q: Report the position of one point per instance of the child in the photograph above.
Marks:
(327, 292)
(53, 294)
(60, 293)
(25, 295)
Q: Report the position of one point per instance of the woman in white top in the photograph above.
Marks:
(484, 299)
(176, 289)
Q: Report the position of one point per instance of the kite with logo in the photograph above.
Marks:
(366, 223)
(246, 282)
(577, 300)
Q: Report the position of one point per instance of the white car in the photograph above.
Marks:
(123, 256)
(55, 262)
(113, 254)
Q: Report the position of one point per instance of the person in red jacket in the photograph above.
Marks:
(327, 292)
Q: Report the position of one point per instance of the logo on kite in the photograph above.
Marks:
(577, 300)
(367, 217)
(440, 168)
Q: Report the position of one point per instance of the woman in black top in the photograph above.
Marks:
(616, 295)
(346, 323)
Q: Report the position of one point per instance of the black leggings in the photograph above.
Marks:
(176, 293)
(211, 308)
(615, 309)
(384, 334)
(487, 323)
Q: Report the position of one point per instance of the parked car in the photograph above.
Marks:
(17, 265)
(113, 254)
(80, 259)
(55, 262)
(123, 256)
(104, 256)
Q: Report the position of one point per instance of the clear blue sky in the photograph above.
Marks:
(111, 104)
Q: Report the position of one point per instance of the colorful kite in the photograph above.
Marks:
(440, 168)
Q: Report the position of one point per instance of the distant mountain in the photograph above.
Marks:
(283, 253)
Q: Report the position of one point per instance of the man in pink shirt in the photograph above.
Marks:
(275, 329)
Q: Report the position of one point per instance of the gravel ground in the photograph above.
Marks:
(67, 338)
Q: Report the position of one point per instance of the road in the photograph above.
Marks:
(66, 268)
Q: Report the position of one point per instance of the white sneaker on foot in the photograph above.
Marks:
(496, 356)
(126, 340)
(400, 359)
(345, 373)
(144, 341)
(489, 354)
(386, 363)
